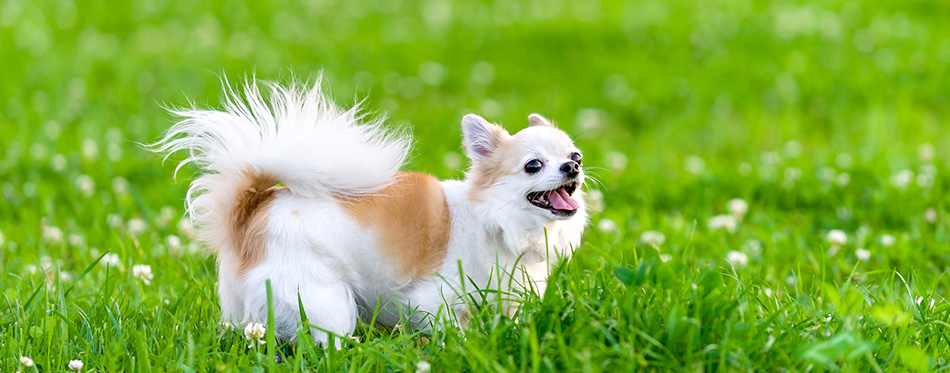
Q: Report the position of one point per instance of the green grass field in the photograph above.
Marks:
(828, 119)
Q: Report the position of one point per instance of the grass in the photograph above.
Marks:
(821, 116)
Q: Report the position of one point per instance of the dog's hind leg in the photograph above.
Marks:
(330, 308)
(327, 300)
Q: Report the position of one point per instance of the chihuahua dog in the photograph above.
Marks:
(295, 190)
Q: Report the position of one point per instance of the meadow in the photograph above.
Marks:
(770, 177)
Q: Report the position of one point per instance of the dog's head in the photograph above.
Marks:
(537, 170)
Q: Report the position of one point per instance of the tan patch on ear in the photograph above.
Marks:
(412, 219)
(248, 220)
(487, 172)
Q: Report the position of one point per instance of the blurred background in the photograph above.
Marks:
(833, 106)
(824, 123)
(747, 94)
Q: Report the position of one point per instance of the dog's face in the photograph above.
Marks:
(537, 170)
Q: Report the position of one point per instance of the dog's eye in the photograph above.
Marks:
(576, 157)
(533, 166)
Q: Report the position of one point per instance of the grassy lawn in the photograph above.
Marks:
(773, 176)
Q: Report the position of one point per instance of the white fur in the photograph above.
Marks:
(316, 251)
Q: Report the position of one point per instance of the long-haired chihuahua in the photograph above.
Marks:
(295, 190)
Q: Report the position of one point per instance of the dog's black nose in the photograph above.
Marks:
(571, 168)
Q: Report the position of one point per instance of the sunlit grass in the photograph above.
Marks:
(826, 120)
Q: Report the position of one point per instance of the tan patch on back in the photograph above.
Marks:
(412, 219)
(248, 220)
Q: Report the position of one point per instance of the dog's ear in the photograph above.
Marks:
(537, 120)
(480, 137)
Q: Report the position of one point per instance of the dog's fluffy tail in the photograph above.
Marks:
(293, 135)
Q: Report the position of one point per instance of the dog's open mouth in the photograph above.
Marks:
(557, 201)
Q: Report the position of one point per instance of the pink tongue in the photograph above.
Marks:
(562, 201)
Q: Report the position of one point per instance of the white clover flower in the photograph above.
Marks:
(193, 248)
(665, 258)
(590, 119)
(862, 254)
(925, 181)
(926, 152)
(768, 173)
(29, 189)
(114, 152)
(185, 227)
(902, 179)
(844, 160)
(887, 240)
(86, 185)
(833, 250)
(793, 174)
(38, 151)
(595, 200)
(793, 148)
(143, 272)
(52, 234)
(46, 263)
(862, 232)
(843, 213)
(114, 135)
(745, 168)
(694, 164)
(770, 158)
(65, 276)
(53, 130)
(452, 160)
(172, 241)
(727, 222)
(120, 185)
(930, 215)
(837, 237)
(826, 174)
(738, 207)
(75, 365)
(753, 246)
(432, 73)
(226, 326)
(136, 226)
(615, 161)
(737, 258)
(114, 220)
(653, 237)
(606, 225)
(26, 361)
(59, 162)
(90, 149)
(75, 240)
(165, 216)
(255, 332)
(843, 179)
(110, 260)
(423, 367)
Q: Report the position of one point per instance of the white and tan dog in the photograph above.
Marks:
(348, 232)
